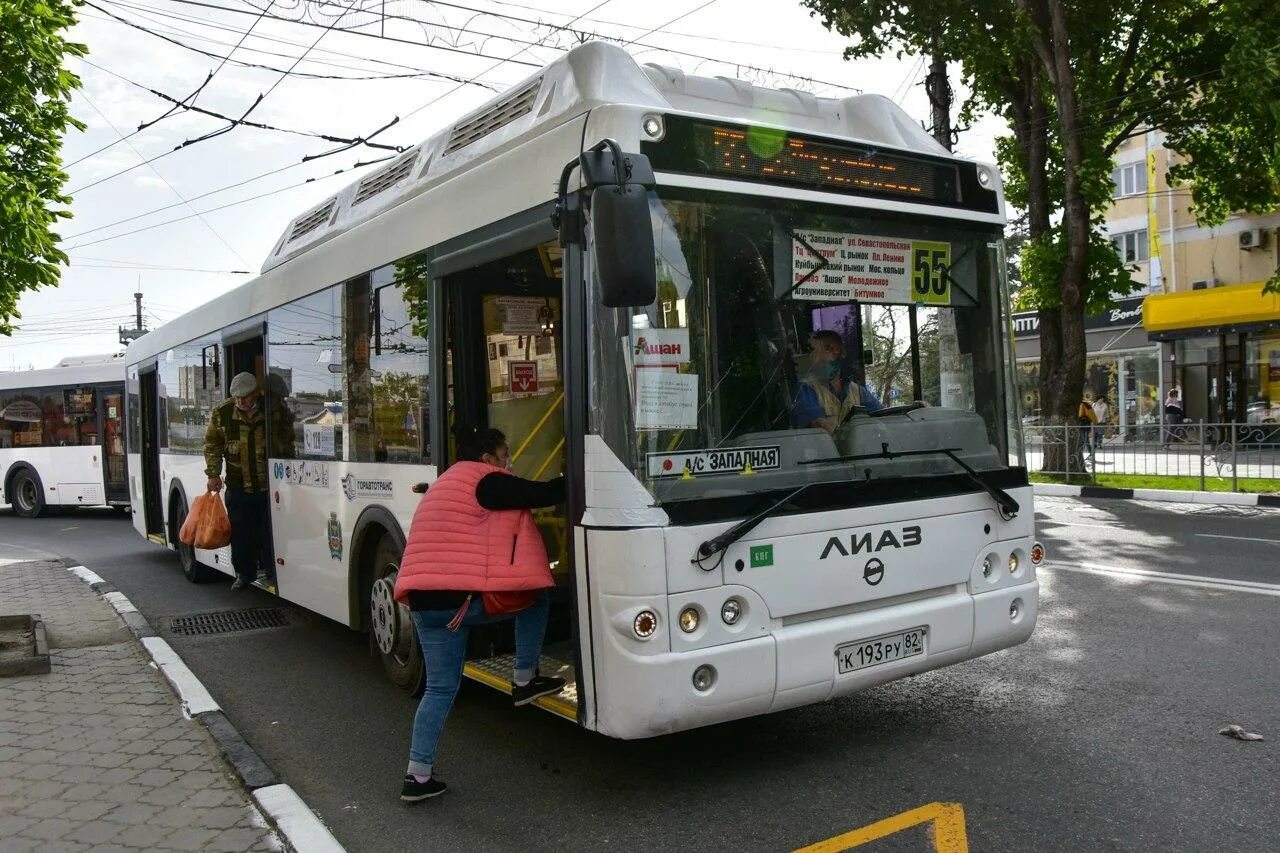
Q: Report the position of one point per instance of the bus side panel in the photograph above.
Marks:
(138, 514)
(314, 509)
(66, 473)
(187, 469)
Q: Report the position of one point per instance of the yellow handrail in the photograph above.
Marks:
(541, 423)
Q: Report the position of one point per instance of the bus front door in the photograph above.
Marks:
(504, 371)
(151, 424)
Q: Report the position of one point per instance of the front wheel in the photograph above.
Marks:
(26, 493)
(391, 632)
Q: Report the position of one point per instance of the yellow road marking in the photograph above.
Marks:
(947, 830)
(554, 704)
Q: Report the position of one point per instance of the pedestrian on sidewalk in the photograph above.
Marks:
(474, 557)
(237, 436)
(1100, 412)
(1086, 419)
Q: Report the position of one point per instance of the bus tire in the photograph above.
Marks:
(26, 493)
(192, 569)
(392, 635)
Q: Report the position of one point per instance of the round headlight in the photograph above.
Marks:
(652, 126)
(645, 624)
(984, 177)
(704, 678)
(689, 620)
(1013, 563)
(731, 611)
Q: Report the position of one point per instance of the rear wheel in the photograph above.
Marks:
(26, 493)
(391, 632)
(192, 570)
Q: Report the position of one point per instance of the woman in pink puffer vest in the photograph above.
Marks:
(473, 542)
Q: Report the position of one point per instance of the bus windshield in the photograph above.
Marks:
(794, 344)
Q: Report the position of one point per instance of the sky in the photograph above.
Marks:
(191, 223)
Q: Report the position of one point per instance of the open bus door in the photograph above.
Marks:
(149, 400)
(504, 369)
(111, 418)
(245, 352)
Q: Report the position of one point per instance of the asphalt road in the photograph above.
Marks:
(1098, 734)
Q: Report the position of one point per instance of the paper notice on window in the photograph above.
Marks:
(520, 314)
(665, 399)
(837, 267)
(318, 440)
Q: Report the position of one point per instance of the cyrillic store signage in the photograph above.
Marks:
(1126, 313)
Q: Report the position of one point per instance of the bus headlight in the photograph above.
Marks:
(704, 678)
(984, 178)
(652, 126)
(1013, 563)
(646, 622)
(689, 620)
(731, 611)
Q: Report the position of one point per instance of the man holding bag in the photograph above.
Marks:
(237, 434)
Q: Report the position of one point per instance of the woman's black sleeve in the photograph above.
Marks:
(503, 491)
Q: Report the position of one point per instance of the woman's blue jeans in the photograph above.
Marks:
(445, 651)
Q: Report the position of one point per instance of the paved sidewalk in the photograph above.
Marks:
(97, 755)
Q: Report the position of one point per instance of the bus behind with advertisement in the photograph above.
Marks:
(623, 268)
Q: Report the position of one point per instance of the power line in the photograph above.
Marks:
(171, 187)
(669, 23)
(255, 23)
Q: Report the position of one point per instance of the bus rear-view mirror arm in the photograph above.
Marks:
(617, 185)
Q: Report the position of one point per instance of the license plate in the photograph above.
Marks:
(878, 650)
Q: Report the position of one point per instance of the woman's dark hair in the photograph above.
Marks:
(474, 442)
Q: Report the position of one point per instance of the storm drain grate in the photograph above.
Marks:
(228, 621)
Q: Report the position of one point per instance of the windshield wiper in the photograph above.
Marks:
(1008, 505)
(716, 544)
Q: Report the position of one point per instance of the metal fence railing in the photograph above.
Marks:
(1232, 451)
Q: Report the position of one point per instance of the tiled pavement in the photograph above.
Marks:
(97, 755)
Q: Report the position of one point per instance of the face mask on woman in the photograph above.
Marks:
(828, 371)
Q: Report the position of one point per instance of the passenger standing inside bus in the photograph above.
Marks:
(474, 556)
(826, 395)
(237, 434)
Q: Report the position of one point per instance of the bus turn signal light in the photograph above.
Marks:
(646, 622)
(1037, 554)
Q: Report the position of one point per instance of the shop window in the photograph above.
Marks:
(1129, 180)
(1131, 246)
(388, 364)
(304, 383)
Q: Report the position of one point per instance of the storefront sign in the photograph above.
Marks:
(659, 346)
(837, 267)
(1127, 312)
(523, 376)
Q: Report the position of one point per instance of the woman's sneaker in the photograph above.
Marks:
(415, 791)
(539, 685)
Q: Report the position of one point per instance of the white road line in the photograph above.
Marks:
(1241, 538)
(1169, 578)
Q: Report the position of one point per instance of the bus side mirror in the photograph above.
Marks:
(622, 234)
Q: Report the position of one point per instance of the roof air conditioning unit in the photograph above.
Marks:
(1204, 284)
(1251, 239)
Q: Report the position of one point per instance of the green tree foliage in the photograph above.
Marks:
(35, 94)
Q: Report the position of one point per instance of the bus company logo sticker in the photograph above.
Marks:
(761, 556)
(736, 460)
(659, 346)
(873, 572)
(359, 487)
(870, 542)
(334, 531)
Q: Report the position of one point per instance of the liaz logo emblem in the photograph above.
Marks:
(873, 573)
(871, 542)
(761, 556)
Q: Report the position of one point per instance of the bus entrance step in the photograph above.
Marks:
(556, 662)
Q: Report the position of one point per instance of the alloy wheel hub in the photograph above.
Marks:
(388, 621)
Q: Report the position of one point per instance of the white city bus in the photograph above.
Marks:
(61, 436)
(719, 556)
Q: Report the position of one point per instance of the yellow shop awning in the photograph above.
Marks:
(1235, 308)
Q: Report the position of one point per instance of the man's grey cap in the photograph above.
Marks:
(243, 385)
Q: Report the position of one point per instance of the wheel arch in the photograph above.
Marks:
(372, 523)
(176, 492)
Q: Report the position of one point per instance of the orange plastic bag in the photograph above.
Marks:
(207, 525)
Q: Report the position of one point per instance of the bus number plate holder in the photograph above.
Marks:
(883, 649)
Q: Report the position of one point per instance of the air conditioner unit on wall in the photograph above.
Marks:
(1252, 238)
(1205, 284)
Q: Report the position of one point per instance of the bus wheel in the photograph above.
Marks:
(26, 493)
(192, 569)
(391, 631)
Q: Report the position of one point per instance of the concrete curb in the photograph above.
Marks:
(1062, 490)
(300, 827)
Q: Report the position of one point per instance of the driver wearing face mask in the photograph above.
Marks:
(826, 396)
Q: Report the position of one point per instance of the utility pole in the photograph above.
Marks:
(127, 335)
(955, 371)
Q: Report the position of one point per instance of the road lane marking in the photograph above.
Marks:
(1168, 577)
(946, 822)
(1241, 538)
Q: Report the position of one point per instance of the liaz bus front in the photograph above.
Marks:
(802, 468)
